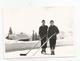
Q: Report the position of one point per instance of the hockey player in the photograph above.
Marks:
(52, 30)
(43, 35)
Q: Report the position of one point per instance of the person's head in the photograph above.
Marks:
(51, 22)
(43, 22)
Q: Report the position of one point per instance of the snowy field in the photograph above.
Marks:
(14, 45)
(64, 48)
(64, 51)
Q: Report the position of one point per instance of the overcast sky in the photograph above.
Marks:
(29, 18)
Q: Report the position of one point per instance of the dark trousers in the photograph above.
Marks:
(42, 42)
(52, 42)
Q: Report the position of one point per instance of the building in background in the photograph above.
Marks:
(20, 37)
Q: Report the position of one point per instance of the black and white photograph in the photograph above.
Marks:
(39, 32)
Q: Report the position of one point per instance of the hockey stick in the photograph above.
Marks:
(30, 49)
(43, 44)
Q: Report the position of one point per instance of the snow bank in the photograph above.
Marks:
(13, 45)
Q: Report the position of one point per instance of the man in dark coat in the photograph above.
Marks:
(43, 35)
(52, 30)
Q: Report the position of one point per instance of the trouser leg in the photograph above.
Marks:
(52, 45)
(45, 45)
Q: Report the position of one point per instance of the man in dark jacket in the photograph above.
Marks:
(43, 35)
(52, 30)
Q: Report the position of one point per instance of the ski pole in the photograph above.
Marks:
(43, 44)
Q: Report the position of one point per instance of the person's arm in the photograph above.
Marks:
(48, 32)
(57, 30)
(40, 32)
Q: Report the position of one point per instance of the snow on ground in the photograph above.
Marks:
(14, 45)
(62, 51)
(64, 48)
